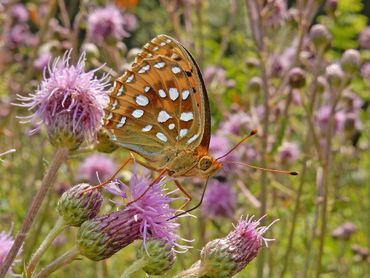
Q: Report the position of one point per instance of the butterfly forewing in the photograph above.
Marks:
(160, 102)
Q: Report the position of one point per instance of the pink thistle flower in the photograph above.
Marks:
(108, 22)
(231, 254)
(69, 101)
(323, 115)
(42, 60)
(289, 152)
(276, 12)
(147, 218)
(364, 38)
(19, 13)
(96, 167)
(219, 200)
(6, 242)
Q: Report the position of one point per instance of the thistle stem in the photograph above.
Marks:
(63, 260)
(192, 272)
(48, 180)
(136, 266)
(57, 229)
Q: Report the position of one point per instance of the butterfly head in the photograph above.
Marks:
(208, 166)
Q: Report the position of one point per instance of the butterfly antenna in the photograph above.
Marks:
(195, 207)
(292, 173)
(252, 133)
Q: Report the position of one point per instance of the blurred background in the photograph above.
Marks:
(305, 89)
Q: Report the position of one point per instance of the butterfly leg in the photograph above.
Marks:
(179, 186)
(161, 174)
(196, 206)
(130, 159)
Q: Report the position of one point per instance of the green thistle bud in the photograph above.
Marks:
(76, 206)
(255, 84)
(103, 236)
(159, 256)
(297, 78)
(335, 75)
(320, 36)
(350, 61)
(105, 144)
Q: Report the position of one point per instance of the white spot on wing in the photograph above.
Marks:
(130, 78)
(138, 113)
(146, 89)
(192, 139)
(122, 121)
(144, 69)
(162, 44)
(162, 93)
(161, 136)
(183, 132)
(147, 128)
(176, 69)
(168, 40)
(110, 116)
(115, 105)
(186, 116)
(171, 126)
(120, 91)
(174, 93)
(155, 48)
(142, 100)
(159, 65)
(163, 116)
(185, 94)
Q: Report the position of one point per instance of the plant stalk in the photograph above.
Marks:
(47, 182)
(136, 266)
(63, 260)
(57, 229)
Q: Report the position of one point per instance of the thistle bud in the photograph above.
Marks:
(350, 61)
(103, 236)
(227, 256)
(255, 84)
(331, 6)
(320, 36)
(159, 256)
(76, 206)
(335, 75)
(105, 144)
(297, 78)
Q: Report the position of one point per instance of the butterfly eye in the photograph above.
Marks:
(204, 163)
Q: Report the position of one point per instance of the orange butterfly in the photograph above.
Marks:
(159, 110)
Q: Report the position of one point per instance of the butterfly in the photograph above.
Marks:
(159, 109)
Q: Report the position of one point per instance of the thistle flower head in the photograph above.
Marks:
(350, 61)
(108, 22)
(364, 38)
(96, 167)
(276, 11)
(152, 210)
(147, 218)
(77, 206)
(289, 152)
(6, 242)
(19, 13)
(69, 101)
(320, 36)
(219, 200)
(229, 255)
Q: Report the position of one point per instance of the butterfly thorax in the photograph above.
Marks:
(192, 163)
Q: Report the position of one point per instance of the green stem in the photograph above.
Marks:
(307, 146)
(63, 260)
(136, 266)
(47, 182)
(57, 229)
(193, 272)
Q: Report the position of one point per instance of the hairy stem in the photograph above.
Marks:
(57, 229)
(136, 266)
(63, 260)
(48, 180)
